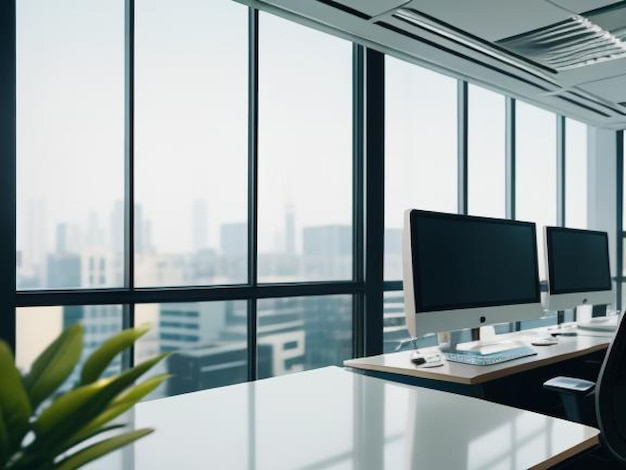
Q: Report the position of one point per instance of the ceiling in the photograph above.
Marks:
(563, 55)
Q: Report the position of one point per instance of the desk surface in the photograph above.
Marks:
(566, 348)
(333, 418)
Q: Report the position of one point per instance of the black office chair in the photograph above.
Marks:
(608, 394)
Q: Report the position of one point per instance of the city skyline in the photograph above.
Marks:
(98, 244)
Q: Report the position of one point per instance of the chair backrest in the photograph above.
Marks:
(611, 394)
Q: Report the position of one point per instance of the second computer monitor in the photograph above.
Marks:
(577, 268)
(463, 272)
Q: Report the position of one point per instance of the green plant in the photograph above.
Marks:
(50, 437)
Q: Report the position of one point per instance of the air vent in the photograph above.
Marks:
(575, 42)
(426, 22)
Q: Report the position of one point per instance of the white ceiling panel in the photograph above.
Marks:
(611, 89)
(592, 73)
(581, 6)
(493, 19)
(603, 82)
(372, 7)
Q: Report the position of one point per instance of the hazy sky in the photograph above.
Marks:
(191, 116)
(191, 124)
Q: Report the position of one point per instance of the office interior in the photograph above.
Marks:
(235, 172)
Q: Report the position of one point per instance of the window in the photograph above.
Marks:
(301, 333)
(486, 153)
(420, 149)
(70, 140)
(575, 174)
(305, 154)
(191, 143)
(222, 131)
(536, 171)
(37, 327)
(208, 342)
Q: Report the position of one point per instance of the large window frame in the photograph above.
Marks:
(129, 295)
(367, 285)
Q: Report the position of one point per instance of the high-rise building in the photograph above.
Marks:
(233, 252)
(190, 324)
(143, 230)
(99, 323)
(200, 225)
(33, 244)
(393, 253)
(94, 233)
(117, 227)
(327, 330)
(234, 239)
(327, 252)
(290, 230)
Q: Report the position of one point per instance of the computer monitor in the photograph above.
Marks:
(577, 268)
(463, 271)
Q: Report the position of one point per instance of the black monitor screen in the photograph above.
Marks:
(463, 262)
(578, 260)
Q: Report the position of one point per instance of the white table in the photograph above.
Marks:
(454, 372)
(333, 418)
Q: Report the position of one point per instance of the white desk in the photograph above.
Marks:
(567, 348)
(333, 418)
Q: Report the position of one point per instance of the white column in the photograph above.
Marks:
(602, 186)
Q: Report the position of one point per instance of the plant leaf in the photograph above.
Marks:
(71, 443)
(102, 357)
(96, 451)
(15, 408)
(75, 409)
(118, 406)
(67, 409)
(54, 365)
(5, 453)
(141, 390)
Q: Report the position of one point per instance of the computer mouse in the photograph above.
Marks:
(544, 342)
(418, 359)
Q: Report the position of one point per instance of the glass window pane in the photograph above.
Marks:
(37, 327)
(305, 153)
(70, 141)
(191, 142)
(575, 174)
(395, 334)
(420, 149)
(208, 339)
(486, 153)
(536, 170)
(301, 333)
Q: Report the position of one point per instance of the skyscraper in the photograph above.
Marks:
(327, 252)
(34, 244)
(143, 229)
(234, 239)
(290, 230)
(200, 225)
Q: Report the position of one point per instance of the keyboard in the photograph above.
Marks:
(477, 359)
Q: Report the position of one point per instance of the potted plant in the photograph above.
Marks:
(43, 429)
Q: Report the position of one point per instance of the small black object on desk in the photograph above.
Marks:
(564, 333)
(426, 360)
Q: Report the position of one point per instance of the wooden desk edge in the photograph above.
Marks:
(530, 363)
(571, 452)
